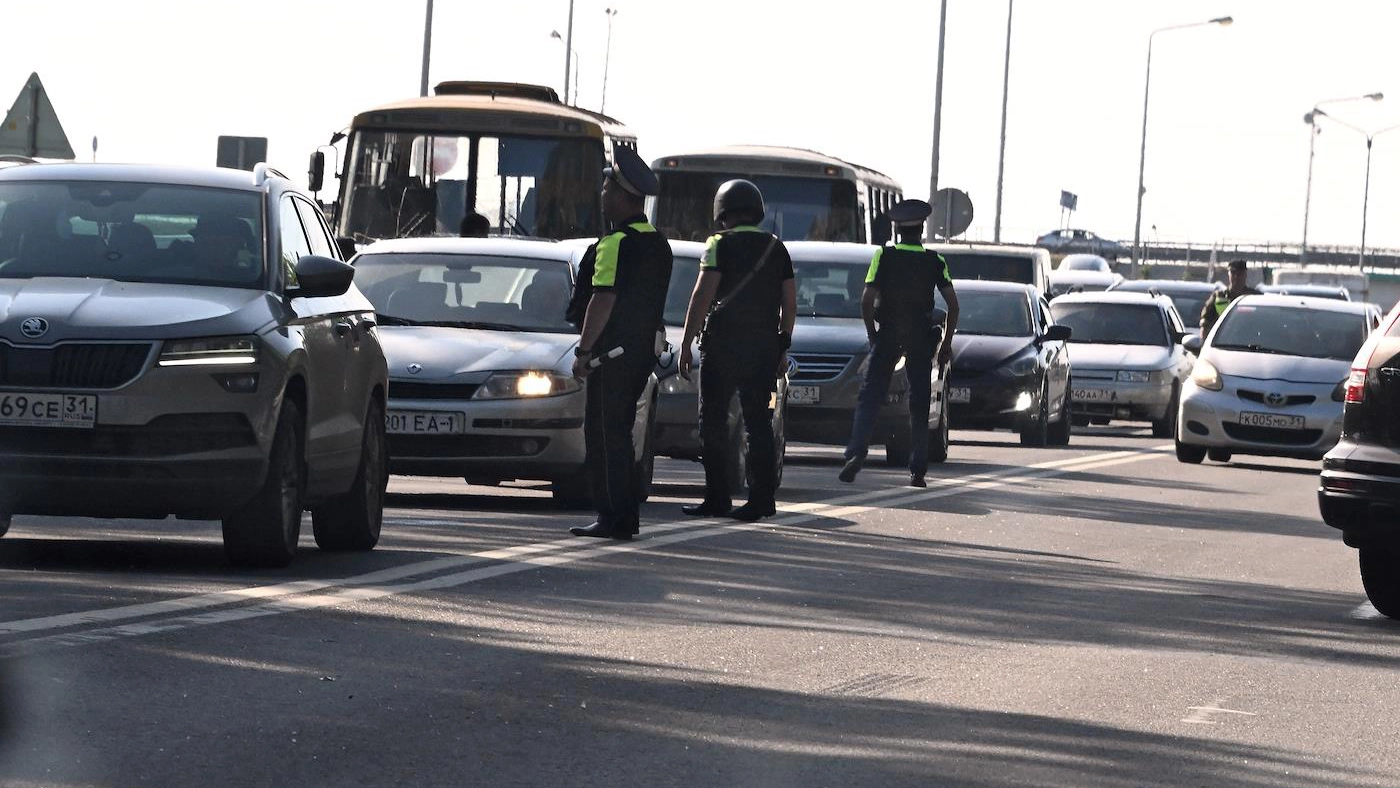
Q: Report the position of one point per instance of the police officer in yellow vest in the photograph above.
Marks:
(630, 272)
(1215, 307)
(899, 296)
(745, 302)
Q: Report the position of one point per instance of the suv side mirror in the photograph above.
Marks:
(316, 173)
(1193, 343)
(321, 277)
(1056, 333)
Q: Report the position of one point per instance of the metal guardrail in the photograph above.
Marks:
(1282, 253)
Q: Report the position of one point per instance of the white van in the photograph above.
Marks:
(1027, 265)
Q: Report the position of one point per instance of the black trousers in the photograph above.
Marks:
(918, 344)
(610, 414)
(748, 367)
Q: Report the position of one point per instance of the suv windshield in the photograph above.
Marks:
(406, 184)
(829, 289)
(132, 232)
(1112, 324)
(992, 267)
(466, 291)
(992, 314)
(1291, 331)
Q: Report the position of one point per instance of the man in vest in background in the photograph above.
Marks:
(1239, 286)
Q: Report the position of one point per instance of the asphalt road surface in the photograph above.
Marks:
(1092, 616)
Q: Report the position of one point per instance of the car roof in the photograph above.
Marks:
(990, 249)
(174, 175)
(498, 247)
(1308, 302)
(688, 248)
(1164, 285)
(1113, 297)
(993, 286)
(830, 251)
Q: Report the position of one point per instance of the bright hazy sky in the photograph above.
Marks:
(1227, 149)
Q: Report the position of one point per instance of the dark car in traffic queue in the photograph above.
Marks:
(481, 359)
(1011, 367)
(1359, 489)
(185, 341)
(830, 353)
(677, 429)
(1189, 298)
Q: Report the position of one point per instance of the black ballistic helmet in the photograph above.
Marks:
(739, 197)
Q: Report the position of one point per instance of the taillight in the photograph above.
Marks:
(1356, 385)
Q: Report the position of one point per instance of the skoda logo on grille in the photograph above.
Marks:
(1275, 399)
(415, 368)
(34, 327)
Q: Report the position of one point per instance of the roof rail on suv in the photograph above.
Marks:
(12, 158)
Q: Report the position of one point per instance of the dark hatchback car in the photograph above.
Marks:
(1359, 492)
(1011, 368)
(184, 341)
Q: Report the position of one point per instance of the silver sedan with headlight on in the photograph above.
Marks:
(1271, 379)
(480, 359)
(1127, 357)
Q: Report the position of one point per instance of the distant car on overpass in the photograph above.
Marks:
(1072, 241)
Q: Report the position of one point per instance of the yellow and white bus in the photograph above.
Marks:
(510, 152)
(809, 196)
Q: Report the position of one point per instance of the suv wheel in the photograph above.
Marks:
(1219, 455)
(1062, 429)
(1165, 427)
(264, 531)
(352, 520)
(1380, 576)
(1187, 453)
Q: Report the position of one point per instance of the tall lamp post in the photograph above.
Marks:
(427, 48)
(1223, 21)
(1313, 131)
(568, 51)
(1005, 89)
(607, 56)
(1366, 193)
(937, 116)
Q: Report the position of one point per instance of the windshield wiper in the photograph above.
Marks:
(472, 324)
(391, 320)
(1254, 348)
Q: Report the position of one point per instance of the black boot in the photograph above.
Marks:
(917, 480)
(754, 510)
(598, 529)
(853, 465)
(707, 509)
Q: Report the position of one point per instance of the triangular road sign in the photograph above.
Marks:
(31, 127)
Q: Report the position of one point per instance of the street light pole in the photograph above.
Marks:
(1223, 21)
(607, 56)
(568, 50)
(1366, 197)
(1311, 120)
(1005, 91)
(937, 114)
(427, 48)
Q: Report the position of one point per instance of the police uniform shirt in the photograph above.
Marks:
(633, 262)
(753, 310)
(908, 277)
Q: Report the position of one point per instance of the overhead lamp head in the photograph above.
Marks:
(1375, 96)
(1224, 21)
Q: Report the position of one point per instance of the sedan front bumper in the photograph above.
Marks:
(1099, 394)
(1225, 420)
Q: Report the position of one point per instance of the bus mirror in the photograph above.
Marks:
(316, 173)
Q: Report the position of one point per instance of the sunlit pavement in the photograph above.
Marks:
(1096, 615)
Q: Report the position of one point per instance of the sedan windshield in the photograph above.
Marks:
(132, 232)
(683, 275)
(991, 267)
(1112, 324)
(466, 291)
(826, 289)
(1291, 331)
(993, 314)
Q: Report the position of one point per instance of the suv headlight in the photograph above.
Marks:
(676, 384)
(526, 385)
(1133, 376)
(1205, 375)
(212, 352)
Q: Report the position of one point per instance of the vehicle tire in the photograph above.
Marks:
(738, 463)
(938, 437)
(264, 531)
(351, 521)
(1380, 576)
(4, 523)
(1219, 455)
(573, 492)
(1037, 432)
(1165, 427)
(1187, 453)
(897, 451)
(1079, 421)
(1060, 432)
(646, 464)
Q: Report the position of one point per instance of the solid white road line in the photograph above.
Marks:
(312, 594)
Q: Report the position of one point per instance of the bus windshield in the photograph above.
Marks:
(402, 184)
(797, 209)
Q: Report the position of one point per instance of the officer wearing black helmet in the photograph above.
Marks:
(899, 296)
(628, 273)
(742, 308)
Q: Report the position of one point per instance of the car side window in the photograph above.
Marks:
(316, 233)
(293, 237)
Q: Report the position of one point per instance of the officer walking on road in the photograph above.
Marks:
(1215, 307)
(899, 296)
(630, 272)
(743, 308)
